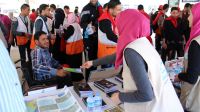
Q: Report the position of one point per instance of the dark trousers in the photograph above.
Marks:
(63, 81)
(75, 61)
(22, 51)
(171, 50)
(9, 47)
(91, 50)
(158, 40)
(55, 50)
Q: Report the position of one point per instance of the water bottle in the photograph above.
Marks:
(98, 102)
(90, 103)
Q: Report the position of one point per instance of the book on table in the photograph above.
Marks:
(83, 89)
(119, 78)
(105, 85)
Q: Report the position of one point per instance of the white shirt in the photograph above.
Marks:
(11, 98)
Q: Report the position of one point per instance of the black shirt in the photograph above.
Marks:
(193, 70)
(171, 33)
(106, 27)
(89, 14)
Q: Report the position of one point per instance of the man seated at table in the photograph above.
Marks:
(44, 66)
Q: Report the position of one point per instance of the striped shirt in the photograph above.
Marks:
(11, 98)
(44, 66)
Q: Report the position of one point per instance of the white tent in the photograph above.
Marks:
(14, 5)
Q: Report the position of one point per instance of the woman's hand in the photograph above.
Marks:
(115, 98)
(87, 64)
(176, 79)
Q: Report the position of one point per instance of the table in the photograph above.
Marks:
(53, 91)
(106, 99)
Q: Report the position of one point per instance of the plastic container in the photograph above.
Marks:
(90, 103)
(98, 102)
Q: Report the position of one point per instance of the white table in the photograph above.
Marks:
(106, 99)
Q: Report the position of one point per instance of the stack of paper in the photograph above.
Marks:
(63, 101)
(105, 86)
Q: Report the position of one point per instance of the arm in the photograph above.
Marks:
(170, 32)
(136, 64)
(156, 19)
(38, 67)
(55, 63)
(68, 32)
(110, 59)
(85, 18)
(106, 27)
(38, 25)
(7, 23)
(193, 70)
(160, 22)
(3, 28)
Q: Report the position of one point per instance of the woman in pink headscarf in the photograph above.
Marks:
(190, 90)
(147, 87)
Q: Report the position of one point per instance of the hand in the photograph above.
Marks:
(10, 40)
(53, 36)
(176, 79)
(52, 40)
(60, 67)
(164, 45)
(115, 98)
(93, 28)
(61, 73)
(87, 64)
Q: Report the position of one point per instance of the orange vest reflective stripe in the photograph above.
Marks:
(22, 40)
(74, 45)
(105, 46)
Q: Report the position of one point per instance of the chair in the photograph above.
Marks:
(32, 83)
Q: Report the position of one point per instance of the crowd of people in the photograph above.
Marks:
(53, 38)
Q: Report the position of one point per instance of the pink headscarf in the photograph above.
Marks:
(195, 29)
(131, 25)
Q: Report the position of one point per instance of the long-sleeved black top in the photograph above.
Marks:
(172, 34)
(89, 14)
(106, 27)
(193, 70)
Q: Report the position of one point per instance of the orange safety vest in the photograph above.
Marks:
(74, 45)
(32, 45)
(105, 46)
(22, 40)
